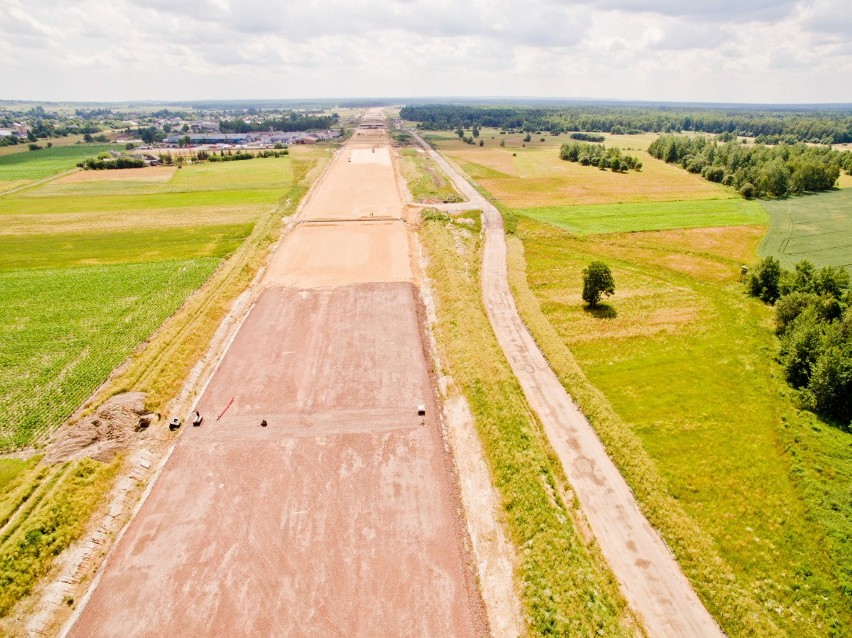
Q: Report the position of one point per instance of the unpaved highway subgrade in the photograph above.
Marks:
(313, 500)
(649, 576)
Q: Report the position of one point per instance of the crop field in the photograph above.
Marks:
(814, 227)
(532, 177)
(613, 218)
(91, 268)
(28, 166)
(564, 583)
(65, 329)
(677, 374)
(425, 179)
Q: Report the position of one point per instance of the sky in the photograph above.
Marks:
(756, 51)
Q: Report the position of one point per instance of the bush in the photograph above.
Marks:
(764, 280)
(790, 306)
(801, 346)
(747, 190)
(830, 389)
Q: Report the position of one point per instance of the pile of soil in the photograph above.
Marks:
(103, 434)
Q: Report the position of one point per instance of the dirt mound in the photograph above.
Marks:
(102, 434)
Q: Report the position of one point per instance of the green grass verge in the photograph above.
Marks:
(425, 179)
(64, 330)
(27, 552)
(677, 376)
(34, 165)
(565, 585)
(138, 245)
(815, 227)
(618, 218)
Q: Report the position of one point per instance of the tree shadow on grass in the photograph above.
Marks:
(601, 311)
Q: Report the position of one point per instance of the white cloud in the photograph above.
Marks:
(743, 50)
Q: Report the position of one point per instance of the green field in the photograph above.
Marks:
(677, 374)
(615, 218)
(64, 330)
(34, 165)
(814, 227)
(92, 264)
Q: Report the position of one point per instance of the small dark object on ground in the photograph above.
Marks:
(197, 419)
(174, 424)
(263, 423)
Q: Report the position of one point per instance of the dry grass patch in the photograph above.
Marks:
(114, 221)
(539, 178)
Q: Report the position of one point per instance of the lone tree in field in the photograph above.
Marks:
(597, 281)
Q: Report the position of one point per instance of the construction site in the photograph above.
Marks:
(318, 494)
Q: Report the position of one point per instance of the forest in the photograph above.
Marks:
(815, 126)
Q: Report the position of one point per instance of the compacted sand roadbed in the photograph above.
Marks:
(340, 516)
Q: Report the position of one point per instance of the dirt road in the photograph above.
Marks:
(648, 573)
(319, 502)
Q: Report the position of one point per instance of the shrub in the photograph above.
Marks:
(764, 280)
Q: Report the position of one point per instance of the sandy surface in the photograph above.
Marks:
(337, 518)
(341, 516)
(366, 189)
(332, 254)
(650, 577)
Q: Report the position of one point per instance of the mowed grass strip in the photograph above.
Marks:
(618, 218)
(565, 586)
(677, 374)
(65, 250)
(64, 330)
(815, 227)
(34, 165)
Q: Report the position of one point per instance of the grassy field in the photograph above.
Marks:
(815, 227)
(610, 218)
(90, 271)
(677, 374)
(28, 166)
(565, 586)
(533, 176)
(426, 181)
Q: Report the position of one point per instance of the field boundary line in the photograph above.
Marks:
(43, 180)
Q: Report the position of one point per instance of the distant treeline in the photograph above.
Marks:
(755, 170)
(287, 123)
(800, 125)
(597, 155)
